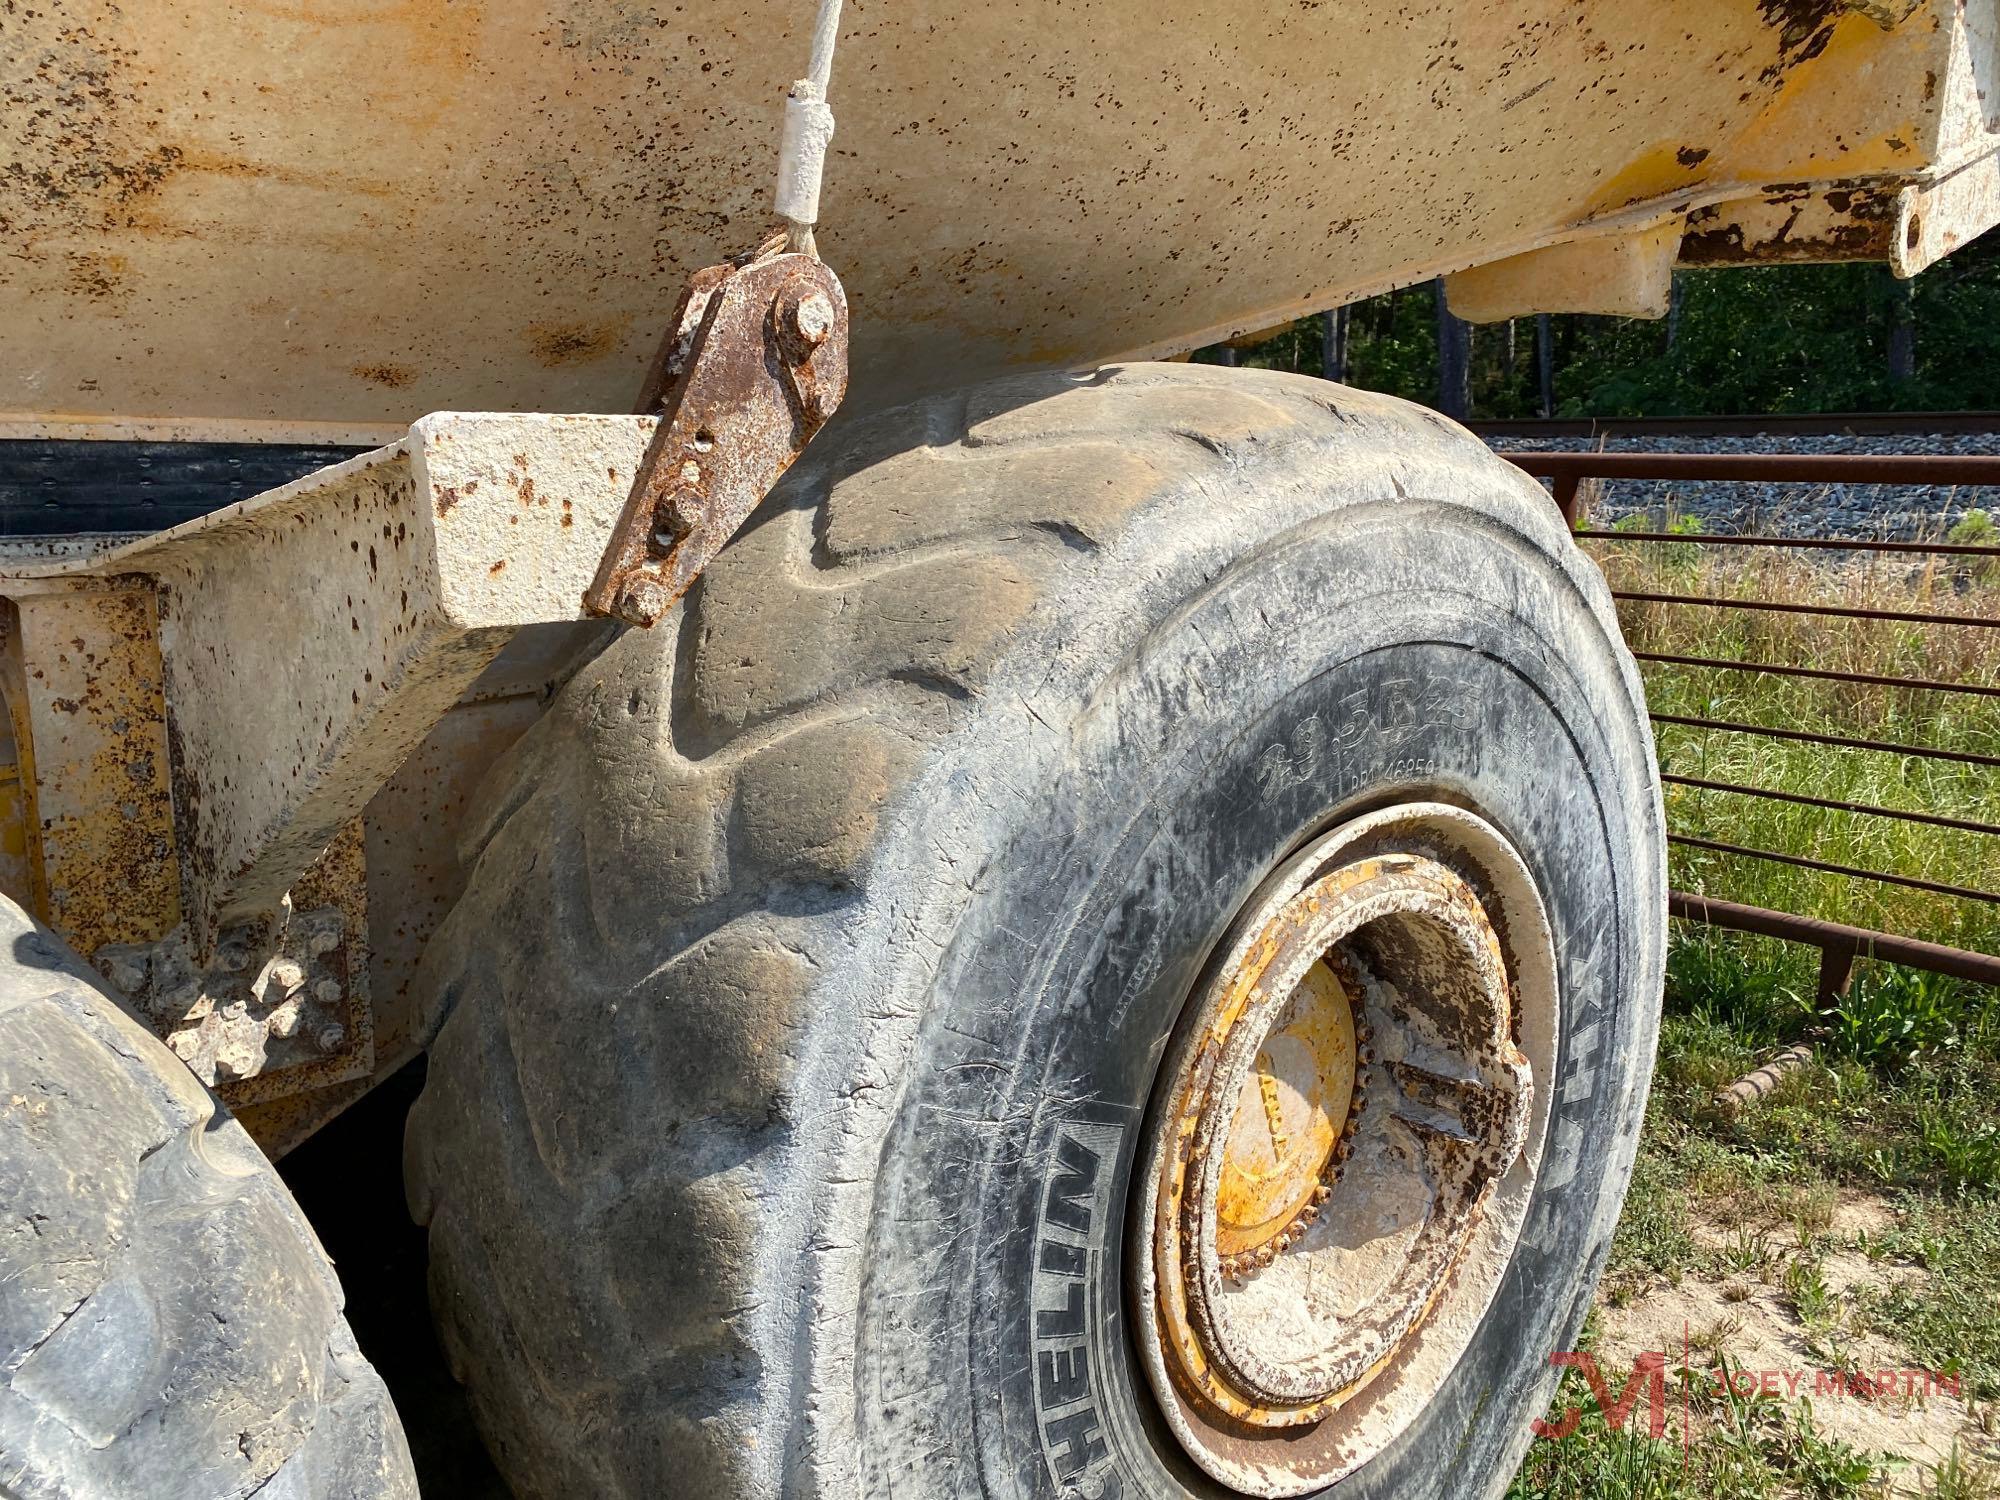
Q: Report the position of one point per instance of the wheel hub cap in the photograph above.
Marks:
(1347, 1090)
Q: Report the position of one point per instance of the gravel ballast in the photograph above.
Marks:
(1868, 511)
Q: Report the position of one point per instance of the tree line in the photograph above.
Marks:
(1763, 339)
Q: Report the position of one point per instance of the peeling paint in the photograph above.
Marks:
(86, 686)
(284, 716)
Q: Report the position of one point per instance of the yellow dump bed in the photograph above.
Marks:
(329, 213)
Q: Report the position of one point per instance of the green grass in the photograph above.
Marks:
(1774, 1172)
(1964, 654)
(1976, 528)
(1741, 1447)
(1901, 1101)
(1950, 1323)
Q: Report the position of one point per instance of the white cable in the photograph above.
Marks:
(808, 131)
(826, 31)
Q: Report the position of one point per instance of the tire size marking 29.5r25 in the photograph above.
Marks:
(1383, 716)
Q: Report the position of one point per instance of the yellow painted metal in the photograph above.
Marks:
(293, 212)
(196, 719)
(314, 634)
(1628, 275)
(15, 882)
(1289, 1116)
(33, 891)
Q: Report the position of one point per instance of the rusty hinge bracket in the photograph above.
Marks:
(753, 365)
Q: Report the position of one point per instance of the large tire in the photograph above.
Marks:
(802, 923)
(169, 1327)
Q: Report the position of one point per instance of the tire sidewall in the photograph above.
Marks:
(1380, 654)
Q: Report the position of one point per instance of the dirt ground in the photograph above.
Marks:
(1862, 1386)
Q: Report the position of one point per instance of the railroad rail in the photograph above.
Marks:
(1570, 470)
(1812, 424)
(1840, 944)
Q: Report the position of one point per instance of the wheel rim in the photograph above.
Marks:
(1342, 1146)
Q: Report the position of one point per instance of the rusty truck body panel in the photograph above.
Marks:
(328, 216)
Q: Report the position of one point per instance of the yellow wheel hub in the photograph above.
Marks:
(1345, 1095)
(1286, 1137)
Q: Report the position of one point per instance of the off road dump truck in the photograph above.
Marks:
(1082, 927)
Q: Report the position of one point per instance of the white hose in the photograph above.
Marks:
(808, 131)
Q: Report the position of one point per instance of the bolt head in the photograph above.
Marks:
(329, 1037)
(642, 601)
(327, 992)
(812, 318)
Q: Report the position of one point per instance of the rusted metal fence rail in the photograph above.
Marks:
(1840, 945)
(1569, 470)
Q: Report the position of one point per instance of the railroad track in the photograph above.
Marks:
(1817, 424)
